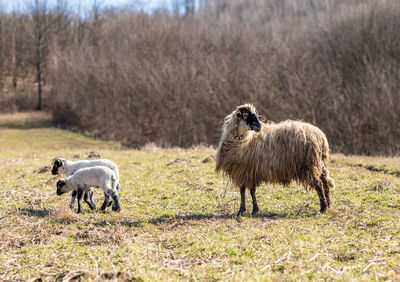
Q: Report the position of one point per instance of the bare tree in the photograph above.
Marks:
(43, 20)
(189, 7)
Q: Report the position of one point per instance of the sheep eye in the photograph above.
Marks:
(245, 115)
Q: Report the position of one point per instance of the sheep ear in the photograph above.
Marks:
(262, 118)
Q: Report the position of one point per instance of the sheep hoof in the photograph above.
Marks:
(116, 209)
(239, 214)
(255, 211)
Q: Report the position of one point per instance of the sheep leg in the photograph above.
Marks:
(88, 198)
(326, 189)
(118, 188)
(115, 202)
(73, 196)
(318, 186)
(80, 196)
(106, 201)
(109, 203)
(253, 197)
(92, 199)
(242, 201)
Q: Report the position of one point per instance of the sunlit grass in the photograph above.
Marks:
(25, 120)
(176, 220)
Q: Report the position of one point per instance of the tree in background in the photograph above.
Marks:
(183, 7)
(43, 21)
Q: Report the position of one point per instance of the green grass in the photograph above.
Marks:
(176, 221)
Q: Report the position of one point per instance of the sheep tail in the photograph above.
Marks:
(325, 153)
(329, 180)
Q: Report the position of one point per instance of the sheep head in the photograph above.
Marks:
(61, 187)
(247, 118)
(58, 166)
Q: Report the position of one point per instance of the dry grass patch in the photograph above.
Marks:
(64, 215)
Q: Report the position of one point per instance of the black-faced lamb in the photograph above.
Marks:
(67, 168)
(251, 152)
(97, 176)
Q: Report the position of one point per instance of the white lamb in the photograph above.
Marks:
(97, 176)
(67, 168)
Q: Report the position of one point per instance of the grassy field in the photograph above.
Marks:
(177, 220)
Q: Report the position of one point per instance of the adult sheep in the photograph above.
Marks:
(251, 152)
(67, 168)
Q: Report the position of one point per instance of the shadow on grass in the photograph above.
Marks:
(191, 217)
(163, 219)
(35, 213)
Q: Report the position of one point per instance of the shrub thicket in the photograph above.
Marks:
(170, 80)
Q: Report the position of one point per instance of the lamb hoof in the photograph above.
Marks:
(116, 209)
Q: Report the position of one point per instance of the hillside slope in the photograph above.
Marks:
(176, 220)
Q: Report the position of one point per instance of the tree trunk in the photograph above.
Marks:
(38, 70)
(189, 8)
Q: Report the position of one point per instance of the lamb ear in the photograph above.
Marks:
(262, 118)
